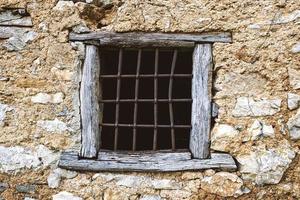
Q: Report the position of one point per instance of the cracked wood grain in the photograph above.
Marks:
(201, 106)
(90, 93)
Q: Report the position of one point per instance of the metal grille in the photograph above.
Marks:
(129, 98)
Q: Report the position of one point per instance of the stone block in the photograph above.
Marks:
(26, 188)
(246, 107)
(266, 166)
(3, 187)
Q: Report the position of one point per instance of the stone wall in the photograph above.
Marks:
(256, 86)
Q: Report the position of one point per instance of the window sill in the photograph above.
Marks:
(163, 161)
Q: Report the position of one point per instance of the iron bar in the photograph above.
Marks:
(170, 99)
(144, 125)
(118, 99)
(146, 75)
(136, 94)
(144, 100)
(155, 99)
(135, 101)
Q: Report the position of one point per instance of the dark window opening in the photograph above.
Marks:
(146, 98)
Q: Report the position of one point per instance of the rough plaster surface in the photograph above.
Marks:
(260, 66)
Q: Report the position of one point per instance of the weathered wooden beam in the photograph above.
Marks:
(140, 44)
(107, 38)
(129, 42)
(70, 160)
(143, 156)
(201, 106)
(90, 93)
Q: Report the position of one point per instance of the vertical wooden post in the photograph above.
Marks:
(201, 106)
(89, 99)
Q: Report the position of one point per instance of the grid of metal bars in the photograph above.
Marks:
(136, 99)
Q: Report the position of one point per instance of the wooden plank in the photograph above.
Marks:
(90, 93)
(149, 156)
(201, 106)
(70, 160)
(139, 37)
(136, 42)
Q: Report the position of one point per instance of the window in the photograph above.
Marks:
(146, 103)
(146, 98)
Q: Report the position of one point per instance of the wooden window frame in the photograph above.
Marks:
(91, 158)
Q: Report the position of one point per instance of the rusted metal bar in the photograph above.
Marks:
(170, 99)
(145, 125)
(155, 99)
(146, 75)
(144, 100)
(136, 98)
(118, 99)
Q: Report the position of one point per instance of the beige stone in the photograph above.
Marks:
(61, 5)
(175, 194)
(191, 175)
(294, 77)
(222, 136)
(111, 194)
(65, 196)
(293, 101)
(256, 107)
(296, 48)
(3, 110)
(258, 130)
(266, 166)
(209, 172)
(150, 197)
(30, 83)
(65, 75)
(293, 126)
(44, 98)
(18, 158)
(53, 125)
(261, 64)
(223, 183)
